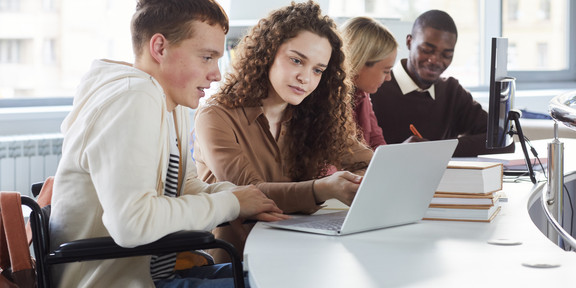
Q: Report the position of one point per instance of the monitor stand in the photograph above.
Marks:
(514, 115)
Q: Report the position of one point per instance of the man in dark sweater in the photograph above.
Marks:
(439, 108)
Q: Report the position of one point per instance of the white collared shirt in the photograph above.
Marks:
(406, 83)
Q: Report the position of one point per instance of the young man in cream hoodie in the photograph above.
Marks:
(125, 149)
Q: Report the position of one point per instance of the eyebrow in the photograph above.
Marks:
(306, 57)
(434, 46)
(212, 51)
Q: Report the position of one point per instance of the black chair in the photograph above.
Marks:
(105, 248)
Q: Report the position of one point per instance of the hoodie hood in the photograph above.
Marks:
(104, 73)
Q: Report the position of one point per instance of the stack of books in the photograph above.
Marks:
(468, 191)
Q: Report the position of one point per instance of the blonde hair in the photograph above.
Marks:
(366, 41)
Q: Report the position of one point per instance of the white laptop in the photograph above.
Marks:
(396, 190)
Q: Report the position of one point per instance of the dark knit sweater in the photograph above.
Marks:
(453, 114)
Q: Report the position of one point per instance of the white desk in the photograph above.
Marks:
(425, 254)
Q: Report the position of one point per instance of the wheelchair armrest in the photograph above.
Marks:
(105, 247)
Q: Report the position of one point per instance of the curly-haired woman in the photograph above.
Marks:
(283, 117)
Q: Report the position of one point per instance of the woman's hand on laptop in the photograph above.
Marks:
(341, 185)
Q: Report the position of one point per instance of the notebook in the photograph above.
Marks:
(397, 188)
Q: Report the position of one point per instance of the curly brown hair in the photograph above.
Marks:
(322, 126)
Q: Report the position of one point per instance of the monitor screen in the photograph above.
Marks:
(501, 99)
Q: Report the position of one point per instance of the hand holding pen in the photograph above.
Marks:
(417, 137)
(415, 131)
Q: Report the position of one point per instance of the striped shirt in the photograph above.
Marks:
(162, 266)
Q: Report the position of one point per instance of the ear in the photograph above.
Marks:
(157, 47)
(408, 41)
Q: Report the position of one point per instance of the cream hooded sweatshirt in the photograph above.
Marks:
(111, 176)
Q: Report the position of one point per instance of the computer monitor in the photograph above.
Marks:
(501, 115)
(501, 100)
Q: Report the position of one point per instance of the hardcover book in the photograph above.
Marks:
(471, 177)
(450, 199)
(476, 214)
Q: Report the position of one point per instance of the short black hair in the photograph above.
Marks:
(436, 19)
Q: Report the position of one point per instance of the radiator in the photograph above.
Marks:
(27, 159)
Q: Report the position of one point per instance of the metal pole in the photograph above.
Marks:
(555, 197)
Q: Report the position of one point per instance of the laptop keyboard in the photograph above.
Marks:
(328, 224)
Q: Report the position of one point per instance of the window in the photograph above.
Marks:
(48, 5)
(512, 56)
(49, 51)
(370, 6)
(533, 34)
(10, 51)
(545, 9)
(54, 47)
(9, 5)
(512, 11)
(542, 55)
(540, 33)
(542, 37)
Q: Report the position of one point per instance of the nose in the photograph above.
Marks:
(215, 75)
(303, 77)
(433, 59)
(387, 77)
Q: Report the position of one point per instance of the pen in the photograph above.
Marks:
(415, 132)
